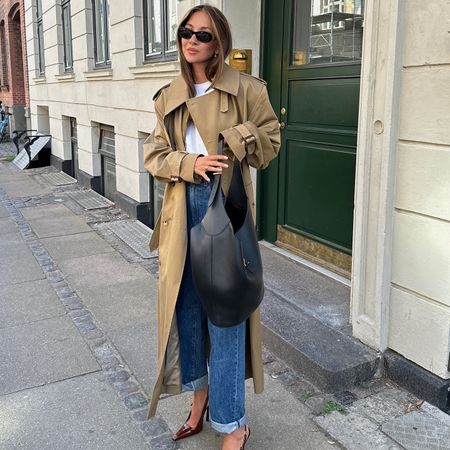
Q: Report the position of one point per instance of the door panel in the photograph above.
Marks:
(316, 93)
(321, 102)
(311, 180)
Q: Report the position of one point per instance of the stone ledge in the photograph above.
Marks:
(70, 76)
(140, 211)
(156, 70)
(64, 165)
(99, 74)
(419, 381)
(329, 359)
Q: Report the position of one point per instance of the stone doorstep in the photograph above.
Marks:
(334, 361)
(331, 360)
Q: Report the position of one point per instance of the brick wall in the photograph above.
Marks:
(13, 58)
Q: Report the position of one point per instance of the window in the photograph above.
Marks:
(327, 31)
(67, 35)
(107, 150)
(160, 29)
(40, 38)
(100, 10)
(3, 57)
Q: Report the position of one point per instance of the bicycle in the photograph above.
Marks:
(4, 126)
(21, 137)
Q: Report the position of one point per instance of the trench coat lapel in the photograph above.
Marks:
(178, 91)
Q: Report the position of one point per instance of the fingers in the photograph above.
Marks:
(204, 176)
(201, 167)
(214, 162)
(210, 163)
(216, 157)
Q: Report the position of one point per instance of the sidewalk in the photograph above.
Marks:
(78, 344)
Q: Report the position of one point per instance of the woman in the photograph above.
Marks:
(209, 99)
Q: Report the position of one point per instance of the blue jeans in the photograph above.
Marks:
(227, 355)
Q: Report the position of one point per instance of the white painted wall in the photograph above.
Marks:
(401, 261)
(120, 96)
(420, 295)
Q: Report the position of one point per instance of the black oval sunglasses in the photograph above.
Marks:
(202, 36)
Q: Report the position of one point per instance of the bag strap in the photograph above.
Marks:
(217, 188)
(236, 193)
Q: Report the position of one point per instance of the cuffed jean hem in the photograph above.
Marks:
(195, 385)
(228, 428)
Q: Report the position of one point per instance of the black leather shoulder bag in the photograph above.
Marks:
(225, 256)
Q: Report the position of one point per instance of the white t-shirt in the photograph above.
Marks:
(194, 142)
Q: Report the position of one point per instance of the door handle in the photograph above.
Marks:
(282, 125)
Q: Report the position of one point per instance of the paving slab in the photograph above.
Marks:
(3, 212)
(101, 270)
(17, 263)
(8, 175)
(54, 220)
(76, 245)
(425, 428)
(277, 420)
(7, 226)
(118, 305)
(23, 188)
(28, 302)
(383, 406)
(58, 226)
(39, 212)
(42, 352)
(138, 346)
(356, 432)
(78, 413)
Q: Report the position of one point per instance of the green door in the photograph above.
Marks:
(311, 60)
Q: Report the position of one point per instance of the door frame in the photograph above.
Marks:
(267, 211)
(379, 114)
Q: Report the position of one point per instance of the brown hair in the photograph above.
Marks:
(221, 34)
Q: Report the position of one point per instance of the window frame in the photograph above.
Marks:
(165, 54)
(40, 38)
(67, 37)
(4, 81)
(106, 62)
(108, 132)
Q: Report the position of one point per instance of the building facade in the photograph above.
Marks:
(13, 63)
(362, 183)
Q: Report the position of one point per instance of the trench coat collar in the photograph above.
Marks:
(178, 92)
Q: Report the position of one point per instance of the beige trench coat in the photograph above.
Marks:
(239, 109)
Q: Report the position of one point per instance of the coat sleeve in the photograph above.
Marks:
(161, 160)
(259, 137)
